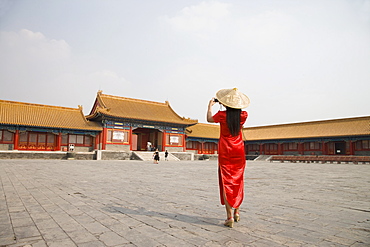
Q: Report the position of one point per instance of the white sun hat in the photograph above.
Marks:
(233, 98)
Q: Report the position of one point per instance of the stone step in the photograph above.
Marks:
(263, 158)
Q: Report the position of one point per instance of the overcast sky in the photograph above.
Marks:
(297, 60)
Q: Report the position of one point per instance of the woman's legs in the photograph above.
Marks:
(229, 209)
(229, 212)
(236, 215)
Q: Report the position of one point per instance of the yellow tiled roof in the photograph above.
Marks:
(27, 114)
(328, 128)
(129, 108)
(203, 130)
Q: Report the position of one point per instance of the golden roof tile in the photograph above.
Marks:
(36, 115)
(203, 130)
(122, 107)
(327, 128)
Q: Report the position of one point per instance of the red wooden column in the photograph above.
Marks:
(16, 140)
(323, 145)
(183, 143)
(261, 149)
(300, 148)
(58, 142)
(104, 138)
(351, 149)
(130, 137)
(96, 142)
(280, 151)
(164, 140)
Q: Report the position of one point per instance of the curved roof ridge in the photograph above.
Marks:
(82, 114)
(204, 130)
(133, 99)
(183, 118)
(130, 108)
(99, 99)
(39, 105)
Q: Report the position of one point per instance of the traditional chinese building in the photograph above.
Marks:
(25, 126)
(134, 124)
(348, 136)
(202, 138)
(126, 124)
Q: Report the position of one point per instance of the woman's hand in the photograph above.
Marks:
(211, 103)
(209, 111)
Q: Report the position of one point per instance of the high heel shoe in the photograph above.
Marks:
(229, 222)
(236, 217)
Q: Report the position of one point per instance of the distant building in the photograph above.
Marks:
(202, 138)
(347, 136)
(126, 124)
(35, 127)
(130, 124)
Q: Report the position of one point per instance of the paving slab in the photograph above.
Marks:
(176, 203)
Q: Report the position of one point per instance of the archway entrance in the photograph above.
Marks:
(142, 136)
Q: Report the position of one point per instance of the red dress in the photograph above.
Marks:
(231, 161)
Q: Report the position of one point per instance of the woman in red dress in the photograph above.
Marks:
(231, 154)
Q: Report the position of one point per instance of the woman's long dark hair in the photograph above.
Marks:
(233, 120)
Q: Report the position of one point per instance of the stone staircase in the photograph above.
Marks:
(263, 158)
(148, 156)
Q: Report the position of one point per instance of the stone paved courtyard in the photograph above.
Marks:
(133, 203)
